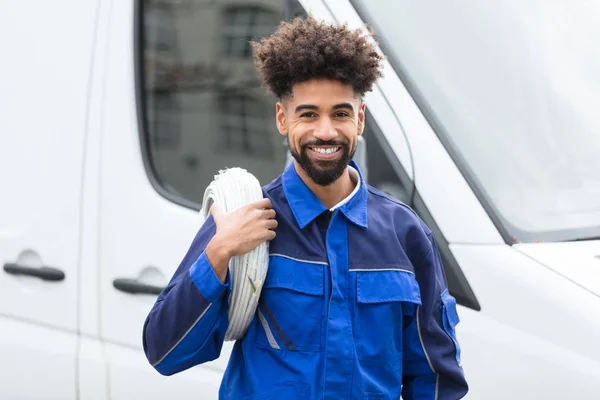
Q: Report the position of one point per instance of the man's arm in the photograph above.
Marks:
(431, 352)
(188, 322)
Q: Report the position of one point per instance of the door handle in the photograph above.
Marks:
(44, 273)
(133, 286)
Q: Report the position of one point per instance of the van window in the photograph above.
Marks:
(243, 23)
(202, 104)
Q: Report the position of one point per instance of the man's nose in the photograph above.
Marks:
(325, 130)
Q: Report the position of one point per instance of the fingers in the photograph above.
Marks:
(263, 235)
(268, 214)
(262, 204)
(271, 224)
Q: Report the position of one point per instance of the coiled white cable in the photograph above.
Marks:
(231, 189)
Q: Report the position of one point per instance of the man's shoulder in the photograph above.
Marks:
(273, 186)
(381, 203)
(274, 190)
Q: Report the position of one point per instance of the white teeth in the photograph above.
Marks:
(328, 150)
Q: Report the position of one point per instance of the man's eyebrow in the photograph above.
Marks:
(302, 107)
(311, 107)
(344, 105)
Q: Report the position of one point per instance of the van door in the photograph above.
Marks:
(199, 108)
(43, 100)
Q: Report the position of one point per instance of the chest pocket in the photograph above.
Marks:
(291, 306)
(383, 299)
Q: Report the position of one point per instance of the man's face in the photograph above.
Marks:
(322, 120)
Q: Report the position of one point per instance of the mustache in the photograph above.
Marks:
(319, 142)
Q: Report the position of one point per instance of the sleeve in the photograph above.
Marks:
(187, 324)
(432, 368)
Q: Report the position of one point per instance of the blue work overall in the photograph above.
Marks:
(355, 306)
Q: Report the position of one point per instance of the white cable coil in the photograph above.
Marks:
(232, 189)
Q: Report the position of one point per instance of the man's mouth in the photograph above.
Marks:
(325, 150)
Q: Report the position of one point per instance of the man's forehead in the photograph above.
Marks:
(322, 93)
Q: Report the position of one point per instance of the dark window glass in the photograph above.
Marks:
(163, 124)
(242, 125)
(241, 24)
(204, 107)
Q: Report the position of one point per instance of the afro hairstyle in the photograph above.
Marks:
(305, 49)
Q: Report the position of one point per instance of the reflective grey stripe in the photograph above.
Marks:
(437, 387)
(380, 269)
(297, 259)
(265, 325)
(183, 337)
(421, 340)
(284, 338)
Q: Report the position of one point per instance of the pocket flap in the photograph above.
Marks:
(386, 286)
(450, 319)
(450, 306)
(301, 276)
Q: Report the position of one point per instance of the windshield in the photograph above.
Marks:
(515, 88)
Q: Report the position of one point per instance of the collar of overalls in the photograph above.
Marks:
(306, 206)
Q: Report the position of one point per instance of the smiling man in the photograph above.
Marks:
(355, 304)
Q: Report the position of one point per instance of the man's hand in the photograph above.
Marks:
(239, 232)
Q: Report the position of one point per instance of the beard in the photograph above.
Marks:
(323, 172)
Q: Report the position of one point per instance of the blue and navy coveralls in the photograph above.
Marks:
(355, 306)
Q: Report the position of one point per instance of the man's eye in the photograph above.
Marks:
(341, 115)
(308, 115)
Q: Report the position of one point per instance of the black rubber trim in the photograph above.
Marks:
(458, 285)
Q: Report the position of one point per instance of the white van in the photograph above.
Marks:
(116, 114)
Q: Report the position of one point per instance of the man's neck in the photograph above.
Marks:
(329, 195)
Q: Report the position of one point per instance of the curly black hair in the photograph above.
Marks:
(305, 49)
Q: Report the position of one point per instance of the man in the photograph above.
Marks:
(355, 304)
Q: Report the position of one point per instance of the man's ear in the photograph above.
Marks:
(361, 117)
(281, 118)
